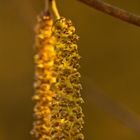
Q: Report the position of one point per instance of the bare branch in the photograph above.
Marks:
(113, 11)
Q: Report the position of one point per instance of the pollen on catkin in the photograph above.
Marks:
(57, 114)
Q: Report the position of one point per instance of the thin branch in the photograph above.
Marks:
(53, 8)
(113, 11)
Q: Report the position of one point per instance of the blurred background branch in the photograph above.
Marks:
(113, 11)
(112, 107)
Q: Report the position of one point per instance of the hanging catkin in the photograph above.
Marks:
(44, 77)
(58, 113)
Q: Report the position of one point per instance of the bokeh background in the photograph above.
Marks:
(110, 68)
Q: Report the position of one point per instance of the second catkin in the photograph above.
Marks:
(58, 113)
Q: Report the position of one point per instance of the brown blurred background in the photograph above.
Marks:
(110, 68)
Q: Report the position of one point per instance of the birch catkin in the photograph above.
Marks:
(58, 113)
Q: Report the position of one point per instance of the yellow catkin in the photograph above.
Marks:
(57, 113)
(44, 77)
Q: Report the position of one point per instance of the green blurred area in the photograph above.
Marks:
(110, 51)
